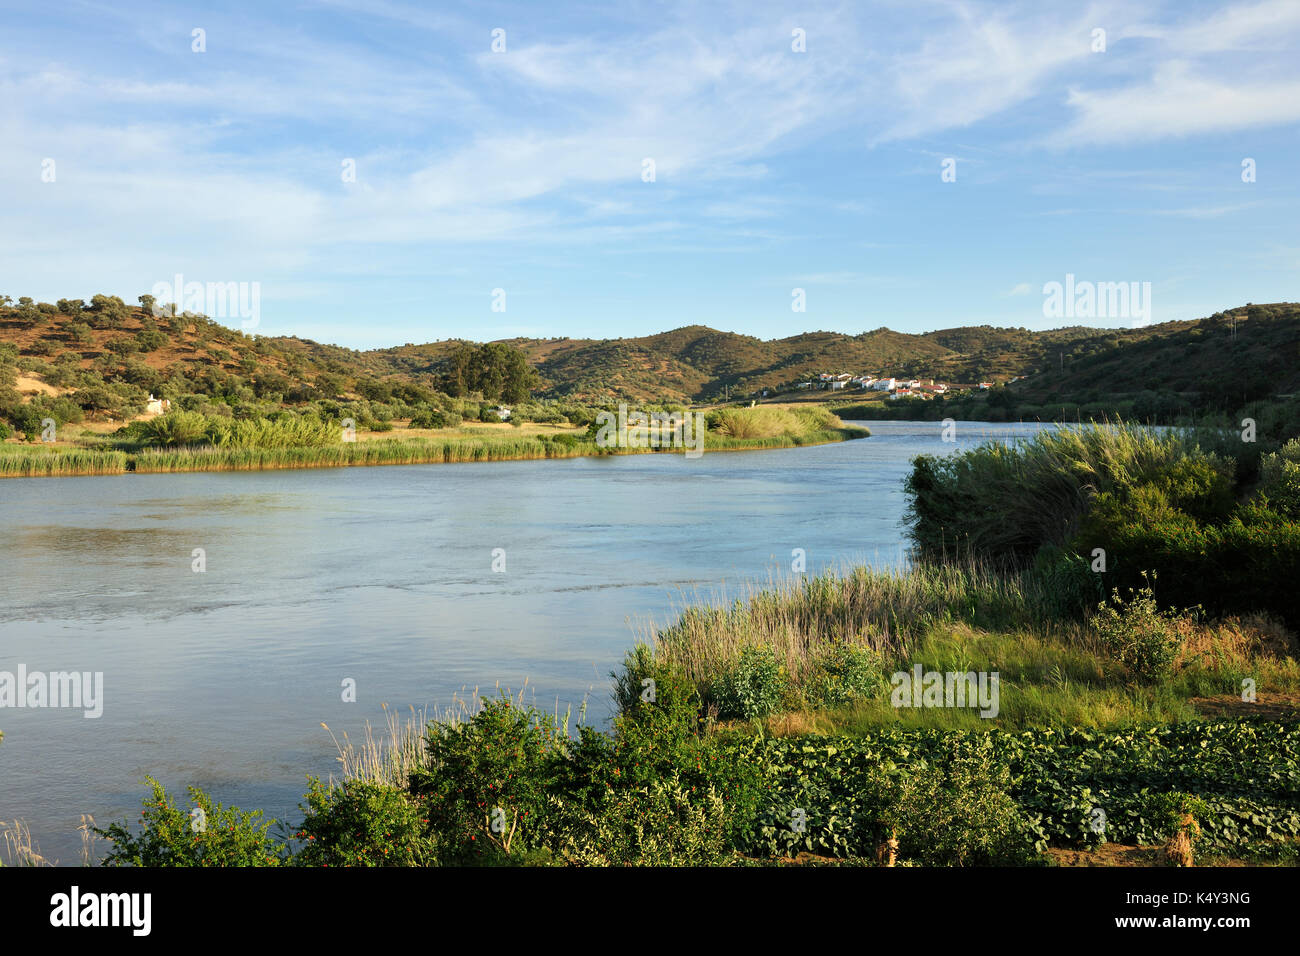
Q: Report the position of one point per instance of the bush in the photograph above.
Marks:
(358, 823)
(434, 418)
(844, 672)
(654, 697)
(753, 688)
(664, 823)
(214, 836)
(1139, 636)
(484, 783)
(1279, 479)
(1067, 583)
(957, 812)
(1242, 566)
(1007, 501)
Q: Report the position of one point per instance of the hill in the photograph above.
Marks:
(105, 357)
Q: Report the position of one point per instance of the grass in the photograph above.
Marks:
(766, 421)
(1052, 670)
(33, 461)
(878, 609)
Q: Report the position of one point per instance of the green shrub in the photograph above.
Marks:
(1006, 502)
(1242, 566)
(434, 418)
(214, 836)
(358, 823)
(653, 694)
(1279, 479)
(664, 823)
(1066, 582)
(753, 687)
(484, 783)
(957, 812)
(842, 672)
(1139, 636)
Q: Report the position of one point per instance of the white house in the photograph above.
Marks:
(157, 406)
(884, 384)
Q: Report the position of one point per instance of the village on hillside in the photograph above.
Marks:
(894, 387)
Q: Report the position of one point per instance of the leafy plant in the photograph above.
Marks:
(753, 687)
(485, 782)
(358, 823)
(1143, 639)
(207, 835)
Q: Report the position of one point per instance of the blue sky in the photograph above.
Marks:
(774, 169)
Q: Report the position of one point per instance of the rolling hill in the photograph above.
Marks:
(1225, 359)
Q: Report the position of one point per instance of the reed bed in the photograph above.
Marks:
(17, 847)
(22, 461)
(28, 461)
(1008, 500)
(883, 610)
(341, 455)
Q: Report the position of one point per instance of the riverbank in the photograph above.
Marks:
(28, 461)
(732, 759)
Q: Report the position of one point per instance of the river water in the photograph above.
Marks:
(388, 577)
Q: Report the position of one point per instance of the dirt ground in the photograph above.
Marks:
(1267, 706)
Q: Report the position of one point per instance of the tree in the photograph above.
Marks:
(497, 371)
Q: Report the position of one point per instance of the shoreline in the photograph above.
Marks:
(110, 463)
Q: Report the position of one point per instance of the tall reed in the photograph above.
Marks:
(22, 461)
(884, 610)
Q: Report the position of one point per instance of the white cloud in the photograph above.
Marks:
(1178, 102)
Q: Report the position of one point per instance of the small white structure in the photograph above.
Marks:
(503, 413)
(884, 384)
(157, 406)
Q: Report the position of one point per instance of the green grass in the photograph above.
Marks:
(879, 610)
(18, 460)
(33, 461)
(1052, 669)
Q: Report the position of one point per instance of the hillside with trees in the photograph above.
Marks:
(102, 359)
